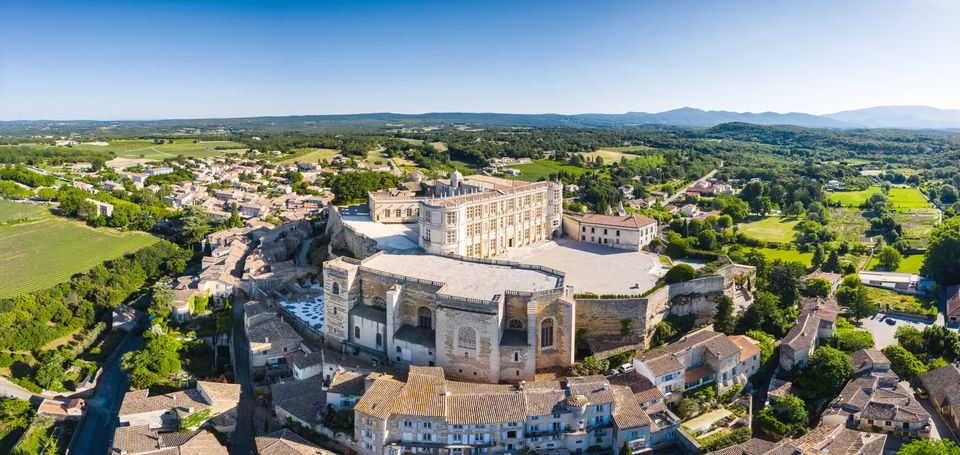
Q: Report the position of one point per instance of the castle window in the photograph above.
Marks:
(356, 332)
(425, 318)
(515, 324)
(379, 340)
(467, 338)
(546, 333)
(336, 288)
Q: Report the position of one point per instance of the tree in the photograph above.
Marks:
(942, 260)
(948, 194)
(680, 273)
(161, 301)
(818, 258)
(827, 371)
(724, 222)
(194, 225)
(889, 258)
(763, 314)
(234, 221)
(858, 300)
(767, 344)
(794, 209)
(910, 338)
(791, 410)
(784, 280)
(14, 413)
(625, 449)
(833, 262)
(903, 362)
(723, 322)
(817, 287)
(707, 240)
(761, 206)
(735, 207)
(929, 447)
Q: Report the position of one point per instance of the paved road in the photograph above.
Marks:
(883, 332)
(9, 389)
(243, 435)
(95, 432)
(683, 191)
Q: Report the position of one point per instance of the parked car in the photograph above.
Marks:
(890, 321)
(627, 367)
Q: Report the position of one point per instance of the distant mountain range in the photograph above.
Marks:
(905, 117)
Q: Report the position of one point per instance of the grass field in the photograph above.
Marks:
(145, 148)
(41, 254)
(630, 149)
(908, 199)
(771, 229)
(10, 211)
(543, 169)
(787, 255)
(909, 264)
(310, 156)
(852, 198)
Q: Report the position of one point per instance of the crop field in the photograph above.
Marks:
(771, 229)
(849, 224)
(310, 156)
(888, 299)
(636, 149)
(909, 264)
(43, 253)
(14, 211)
(543, 169)
(787, 255)
(608, 156)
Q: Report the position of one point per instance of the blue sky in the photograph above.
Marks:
(176, 59)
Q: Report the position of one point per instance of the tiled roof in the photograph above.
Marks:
(378, 400)
(627, 412)
(303, 399)
(423, 394)
(803, 334)
(943, 384)
(953, 301)
(286, 442)
(273, 330)
(134, 440)
(633, 221)
(748, 347)
(347, 382)
(218, 391)
(138, 402)
(878, 396)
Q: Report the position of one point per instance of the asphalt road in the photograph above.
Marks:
(243, 436)
(95, 432)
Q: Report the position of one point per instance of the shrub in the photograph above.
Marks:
(680, 273)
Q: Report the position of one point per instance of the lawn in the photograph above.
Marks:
(908, 199)
(41, 254)
(787, 255)
(852, 198)
(312, 155)
(891, 300)
(909, 264)
(609, 156)
(543, 169)
(771, 229)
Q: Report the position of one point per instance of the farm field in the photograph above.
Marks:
(908, 199)
(310, 156)
(630, 149)
(787, 255)
(543, 169)
(849, 224)
(909, 264)
(11, 211)
(771, 229)
(41, 254)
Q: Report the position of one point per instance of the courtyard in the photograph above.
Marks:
(593, 268)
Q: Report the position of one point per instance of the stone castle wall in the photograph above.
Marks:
(345, 238)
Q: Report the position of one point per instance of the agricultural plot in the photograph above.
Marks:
(310, 156)
(543, 169)
(908, 199)
(15, 211)
(891, 300)
(771, 229)
(43, 253)
(849, 224)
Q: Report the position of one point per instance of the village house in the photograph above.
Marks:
(142, 440)
(164, 412)
(429, 412)
(702, 357)
(953, 305)
(877, 401)
(286, 442)
(629, 232)
(824, 439)
(817, 320)
(943, 387)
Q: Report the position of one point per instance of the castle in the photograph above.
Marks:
(478, 319)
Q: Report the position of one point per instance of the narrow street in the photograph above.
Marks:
(683, 190)
(94, 434)
(243, 436)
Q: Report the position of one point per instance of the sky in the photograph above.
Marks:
(148, 59)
